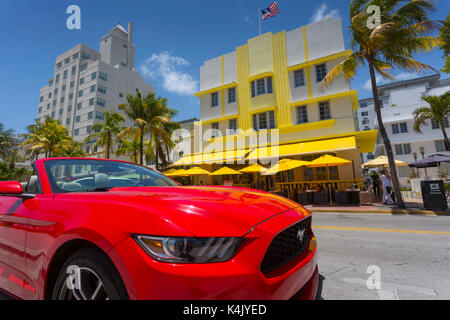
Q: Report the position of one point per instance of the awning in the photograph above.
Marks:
(214, 157)
(318, 146)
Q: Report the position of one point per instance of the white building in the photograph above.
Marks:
(87, 82)
(399, 99)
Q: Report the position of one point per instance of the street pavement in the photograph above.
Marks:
(411, 254)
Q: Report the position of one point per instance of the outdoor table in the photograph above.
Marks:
(305, 197)
(353, 195)
(319, 197)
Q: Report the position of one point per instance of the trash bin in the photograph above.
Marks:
(433, 194)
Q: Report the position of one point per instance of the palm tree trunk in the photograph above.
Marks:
(446, 142)
(386, 141)
(108, 146)
(141, 147)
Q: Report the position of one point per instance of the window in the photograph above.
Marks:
(402, 149)
(102, 76)
(49, 95)
(70, 96)
(55, 92)
(363, 104)
(299, 78)
(80, 93)
(65, 74)
(215, 129)
(41, 99)
(85, 56)
(77, 132)
(53, 115)
(302, 115)
(72, 84)
(62, 99)
(403, 127)
(102, 89)
(231, 95)
(69, 109)
(79, 106)
(395, 128)
(75, 56)
(74, 70)
(101, 102)
(404, 171)
(265, 120)
(365, 114)
(40, 109)
(50, 82)
(59, 65)
(57, 78)
(435, 124)
(120, 95)
(321, 72)
(262, 86)
(81, 80)
(214, 99)
(94, 76)
(91, 101)
(440, 146)
(370, 156)
(92, 88)
(99, 115)
(233, 125)
(90, 115)
(67, 60)
(48, 106)
(54, 103)
(365, 121)
(324, 111)
(61, 111)
(77, 119)
(83, 67)
(63, 88)
(67, 121)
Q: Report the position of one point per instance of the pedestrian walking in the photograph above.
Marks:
(375, 183)
(387, 187)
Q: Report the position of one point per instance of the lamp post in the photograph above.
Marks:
(422, 152)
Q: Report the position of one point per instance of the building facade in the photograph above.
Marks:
(273, 83)
(399, 100)
(87, 82)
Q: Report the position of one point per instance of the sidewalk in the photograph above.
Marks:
(413, 207)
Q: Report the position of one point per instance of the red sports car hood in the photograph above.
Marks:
(203, 211)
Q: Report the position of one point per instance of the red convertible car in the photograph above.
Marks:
(91, 229)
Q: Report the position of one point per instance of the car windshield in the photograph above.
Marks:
(100, 175)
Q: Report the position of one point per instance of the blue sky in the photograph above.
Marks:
(172, 39)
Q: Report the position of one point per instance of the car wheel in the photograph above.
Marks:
(88, 275)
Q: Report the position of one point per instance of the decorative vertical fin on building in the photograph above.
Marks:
(308, 68)
(281, 80)
(244, 99)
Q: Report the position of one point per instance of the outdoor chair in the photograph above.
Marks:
(320, 198)
(341, 197)
(302, 198)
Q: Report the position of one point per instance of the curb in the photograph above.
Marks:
(385, 211)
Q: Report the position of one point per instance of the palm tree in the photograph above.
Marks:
(49, 137)
(404, 31)
(73, 151)
(439, 109)
(129, 144)
(149, 114)
(104, 132)
(8, 144)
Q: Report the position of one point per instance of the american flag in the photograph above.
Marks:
(271, 11)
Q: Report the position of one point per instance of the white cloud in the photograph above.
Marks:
(166, 68)
(368, 84)
(322, 13)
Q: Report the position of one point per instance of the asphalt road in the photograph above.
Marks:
(412, 264)
(411, 253)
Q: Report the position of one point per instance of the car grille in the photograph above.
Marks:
(286, 246)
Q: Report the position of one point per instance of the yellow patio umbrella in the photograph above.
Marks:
(382, 161)
(328, 161)
(225, 171)
(196, 171)
(167, 172)
(178, 173)
(254, 168)
(284, 165)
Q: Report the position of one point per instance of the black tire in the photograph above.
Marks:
(97, 271)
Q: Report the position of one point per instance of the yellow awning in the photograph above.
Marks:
(225, 171)
(209, 158)
(318, 146)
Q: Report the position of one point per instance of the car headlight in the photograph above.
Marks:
(188, 250)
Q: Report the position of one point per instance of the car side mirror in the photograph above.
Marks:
(13, 189)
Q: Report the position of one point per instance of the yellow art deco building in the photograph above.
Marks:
(273, 82)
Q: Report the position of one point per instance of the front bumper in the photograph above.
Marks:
(237, 279)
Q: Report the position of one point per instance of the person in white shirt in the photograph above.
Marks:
(387, 188)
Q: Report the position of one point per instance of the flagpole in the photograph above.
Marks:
(259, 19)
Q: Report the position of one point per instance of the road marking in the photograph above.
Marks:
(389, 291)
(381, 230)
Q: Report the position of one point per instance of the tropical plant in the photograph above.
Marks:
(8, 146)
(149, 113)
(163, 144)
(129, 144)
(8, 174)
(444, 35)
(404, 30)
(73, 150)
(438, 110)
(105, 132)
(48, 137)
